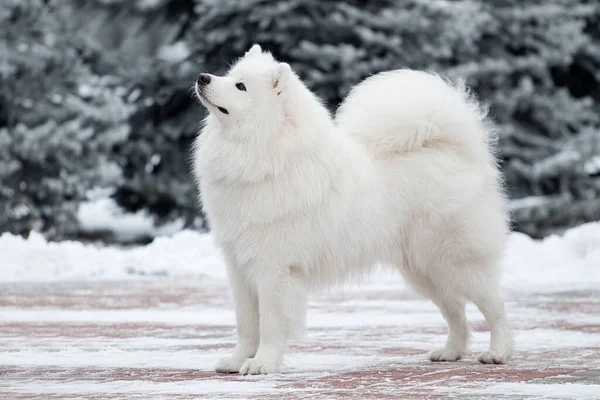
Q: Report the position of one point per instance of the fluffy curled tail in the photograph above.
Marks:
(404, 110)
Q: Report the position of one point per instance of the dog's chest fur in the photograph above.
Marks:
(253, 195)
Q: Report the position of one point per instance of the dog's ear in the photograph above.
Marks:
(254, 50)
(282, 74)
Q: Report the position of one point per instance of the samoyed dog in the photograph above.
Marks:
(403, 176)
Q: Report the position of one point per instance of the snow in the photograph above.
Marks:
(35, 259)
(86, 321)
(175, 52)
(545, 391)
(103, 214)
(135, 387)
(592, 166)
(567, 262)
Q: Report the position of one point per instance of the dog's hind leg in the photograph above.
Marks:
(487, 297)
(452, 307)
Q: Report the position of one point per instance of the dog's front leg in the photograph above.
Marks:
(246, 316)
(282, 298)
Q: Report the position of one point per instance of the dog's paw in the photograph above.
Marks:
(444, 354)
(254, 366)
(494, 357)
(229, 364)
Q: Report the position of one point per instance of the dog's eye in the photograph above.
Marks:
(241, 86)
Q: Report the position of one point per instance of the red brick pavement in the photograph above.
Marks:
(158, 338)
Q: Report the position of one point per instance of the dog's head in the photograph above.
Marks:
(250, 92)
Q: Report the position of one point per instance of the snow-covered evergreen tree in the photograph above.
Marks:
(96, 93)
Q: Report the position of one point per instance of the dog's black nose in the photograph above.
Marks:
(203, 79)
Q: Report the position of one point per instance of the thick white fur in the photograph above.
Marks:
(404, 176)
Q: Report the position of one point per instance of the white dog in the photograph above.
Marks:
(404, 176)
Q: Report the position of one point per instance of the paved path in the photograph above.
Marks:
(157, 338)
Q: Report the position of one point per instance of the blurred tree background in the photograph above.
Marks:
(95, 94)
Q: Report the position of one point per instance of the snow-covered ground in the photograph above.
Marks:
(81, 321)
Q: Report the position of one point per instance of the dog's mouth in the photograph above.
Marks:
(208, 103)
